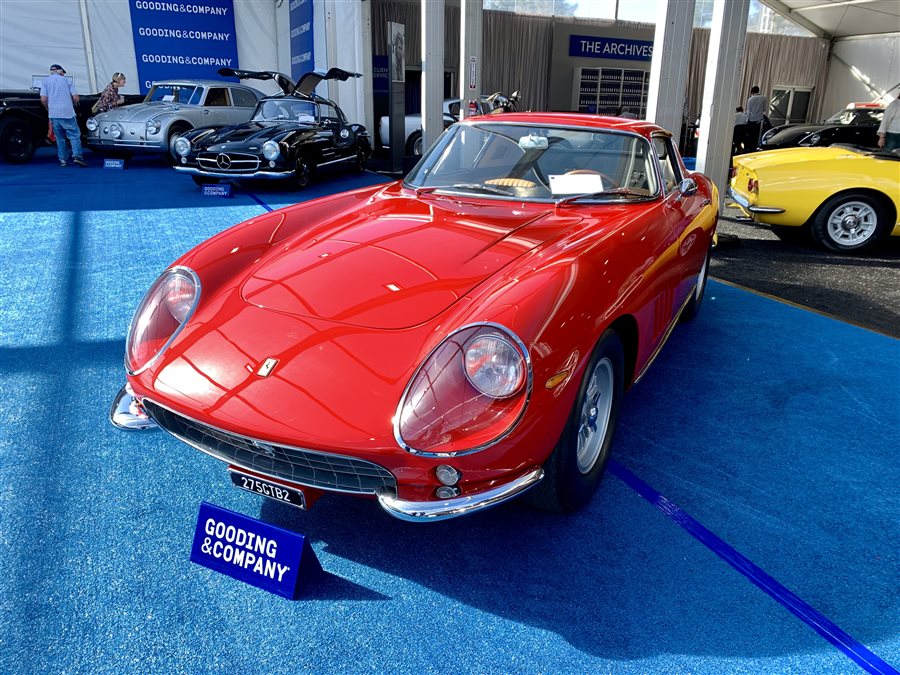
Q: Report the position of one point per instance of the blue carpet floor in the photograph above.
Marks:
(773, 428)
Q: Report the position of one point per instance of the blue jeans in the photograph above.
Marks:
(891, 141)
(66, 127)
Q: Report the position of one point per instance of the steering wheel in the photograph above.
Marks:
(607, 180)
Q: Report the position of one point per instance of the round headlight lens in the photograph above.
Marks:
(494, 367)
(152, 126)
(182, 146)
(116, 131)
(159, 318)
(271, 150)
(91, 124)
(812, 139)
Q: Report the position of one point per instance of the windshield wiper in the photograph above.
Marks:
(615, 192)
(478, 187)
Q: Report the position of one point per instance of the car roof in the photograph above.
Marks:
(639, 127)
(204, 83)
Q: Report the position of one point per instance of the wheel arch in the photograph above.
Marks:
(626, 327)
(882, 198)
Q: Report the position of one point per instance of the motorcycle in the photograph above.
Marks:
(500, 103)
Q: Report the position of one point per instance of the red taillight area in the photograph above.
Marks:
(164, 309)
(753, 186)
(444, 412)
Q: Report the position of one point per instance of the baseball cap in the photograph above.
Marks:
(58, 67)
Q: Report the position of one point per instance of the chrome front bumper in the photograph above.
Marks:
(128, 413)
(745, 204)
(270, 175)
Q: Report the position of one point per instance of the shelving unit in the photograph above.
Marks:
(603, 90)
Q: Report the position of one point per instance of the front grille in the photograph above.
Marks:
(228, 161)
(306, 467)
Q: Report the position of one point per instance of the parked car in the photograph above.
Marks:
(856, 124)
(441, 343)
(413, 127)
(287, 138)
(171, 108)
(846, 197)
(24, 122)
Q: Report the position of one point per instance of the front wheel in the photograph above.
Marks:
(693, 305)
(16, 141)
(361, 159)
(414, 144)
(850, 223)
(173, 136)
(302, 174)
(576, 466)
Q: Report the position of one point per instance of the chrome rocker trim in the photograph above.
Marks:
(459, 506)
(745, 204)
(271, 175)
(128, 414)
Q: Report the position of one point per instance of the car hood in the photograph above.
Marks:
(251, 132)
(141, 112)
(398, 262)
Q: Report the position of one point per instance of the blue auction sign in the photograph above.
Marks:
(249, 550)
(301, 22)
(381, 77)
(217, 190)
(190, 39)
(595, 47)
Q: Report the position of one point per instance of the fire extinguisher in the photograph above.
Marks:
(473, 107)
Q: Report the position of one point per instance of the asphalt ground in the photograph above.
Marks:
(860, 289)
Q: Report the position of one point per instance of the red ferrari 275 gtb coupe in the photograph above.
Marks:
(442, 343)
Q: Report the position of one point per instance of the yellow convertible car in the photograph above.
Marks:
(847, 198)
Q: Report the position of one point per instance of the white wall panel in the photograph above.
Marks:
(861, 70)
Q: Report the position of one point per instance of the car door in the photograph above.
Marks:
(684, 247)
(217, 108)
(343, 138)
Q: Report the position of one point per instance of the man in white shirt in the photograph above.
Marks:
(59, 97)
(889, 129)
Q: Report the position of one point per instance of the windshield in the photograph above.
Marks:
(537, 163)
(283, 109)
(173, 93)
(858, 117)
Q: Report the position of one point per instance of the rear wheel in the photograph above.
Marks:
(16, 141)
(693, 306)
(851, 222)
(576, 466)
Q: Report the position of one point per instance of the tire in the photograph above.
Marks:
(850, 223)
(693, 306)
(302, 174)
(414, 144)
(574, 470)
(204, 180)
(788, 234)
(361, 159)
(16, 141)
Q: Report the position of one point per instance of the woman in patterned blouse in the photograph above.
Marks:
(109, 97)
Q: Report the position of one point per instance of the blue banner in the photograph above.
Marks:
(595, 47)
(249, 550)
(190, 39)
(381, 77)
(302, 46)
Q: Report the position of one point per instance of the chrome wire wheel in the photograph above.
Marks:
(595, 415)
(852, 223)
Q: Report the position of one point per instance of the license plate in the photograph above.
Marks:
(279, 493)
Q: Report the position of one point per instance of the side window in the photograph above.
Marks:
(243, 98)
(329, 115)
(217, 96)
(668, 164)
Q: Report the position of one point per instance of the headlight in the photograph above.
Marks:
(812, 139)
(766, 136)
(91, 124)
(467, 395)
(160, 316)
(271, 150)
(116, 131)
(153, 126)
(182, 147)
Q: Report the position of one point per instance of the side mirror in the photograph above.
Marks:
(687, 187)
